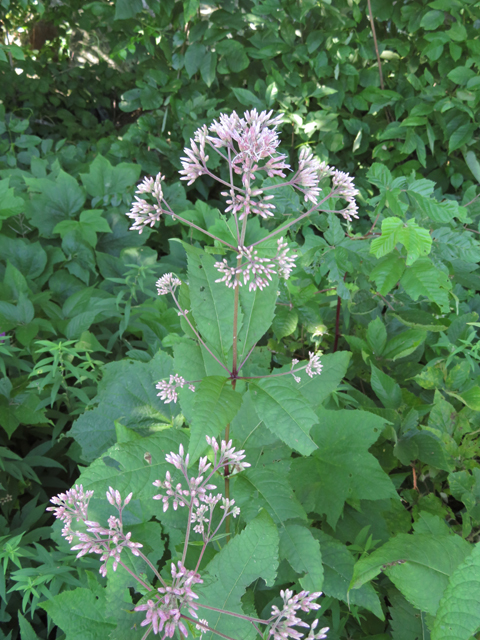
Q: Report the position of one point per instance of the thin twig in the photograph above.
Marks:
(379, 61)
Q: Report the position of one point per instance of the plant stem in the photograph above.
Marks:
(231, 613)
(379, 61)
(144, 584)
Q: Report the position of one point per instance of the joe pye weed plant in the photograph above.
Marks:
(244, 420)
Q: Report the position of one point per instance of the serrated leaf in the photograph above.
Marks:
(338, 562)
(212, 302)
(387, 272)
(284, 411)
(80, 615)
(215, 405)
(473, 164)
(266, 488)
(341, 468)
(285, 322)
(376, 336)
(299, 547)
(424, 279)
(406, 622)
(416, 240)
(419, 565)
(461, 136)
(126, 393)
(386, 389)
(248, 556)
(258, 308)
(458, 615)
(318, 388)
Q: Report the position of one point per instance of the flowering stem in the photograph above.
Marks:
(247, 356)
(273, 375)
(147, 632)
(152, 567)
(187, 534)
(197, 334)
(191, 224)
(292, 222)
(231, 613)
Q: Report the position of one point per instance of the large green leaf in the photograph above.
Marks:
(126, 393)
(424, 279)
(299, 547)
(341, 468)
(387, 272)
(458, 615)
(80, 614)
(284, 411)
(212, 302)
(406, 621)
(57, 200)
(104, 179)
(419, 565)
(215, 405)
(248, 556)
(266, 488)
(338, 562)
(258, 309)
(318, 388)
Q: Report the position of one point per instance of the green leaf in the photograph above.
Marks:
(341, 468)
(387, 272)
(104, 180)
(404, 344)
(473, 164)
(432, 20)
(26, 630)
(458, 615)
(285, 322)
(299, 547)
(59, 199)
(258, 308)
(461, 75)
(126, 393)
(419, 319)
(10, 205)
(338, 562)
(386, 389)
(215, 405)
(419, 565)
(212, 302)
(269, 489)
(247, 98)
(423, 446)
(417, 241)
(424, 279)
(194, 58)
(317, 389)
(190, 9)
(376, 336)
(235, 56)
(126, 9)
(284, 411)
(208, 67)
(406, 622)
(30, 258)
(80, 614)
(248, 556)
(461, 136)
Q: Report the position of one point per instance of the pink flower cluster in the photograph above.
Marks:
(142, 213)
(164, 613)
(105, 541)
(254, 270)
(286, 619)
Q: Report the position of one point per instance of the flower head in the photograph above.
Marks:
(314, 366)
(142, 213)
(167, 284)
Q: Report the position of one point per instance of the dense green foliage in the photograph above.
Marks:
(379, 505)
